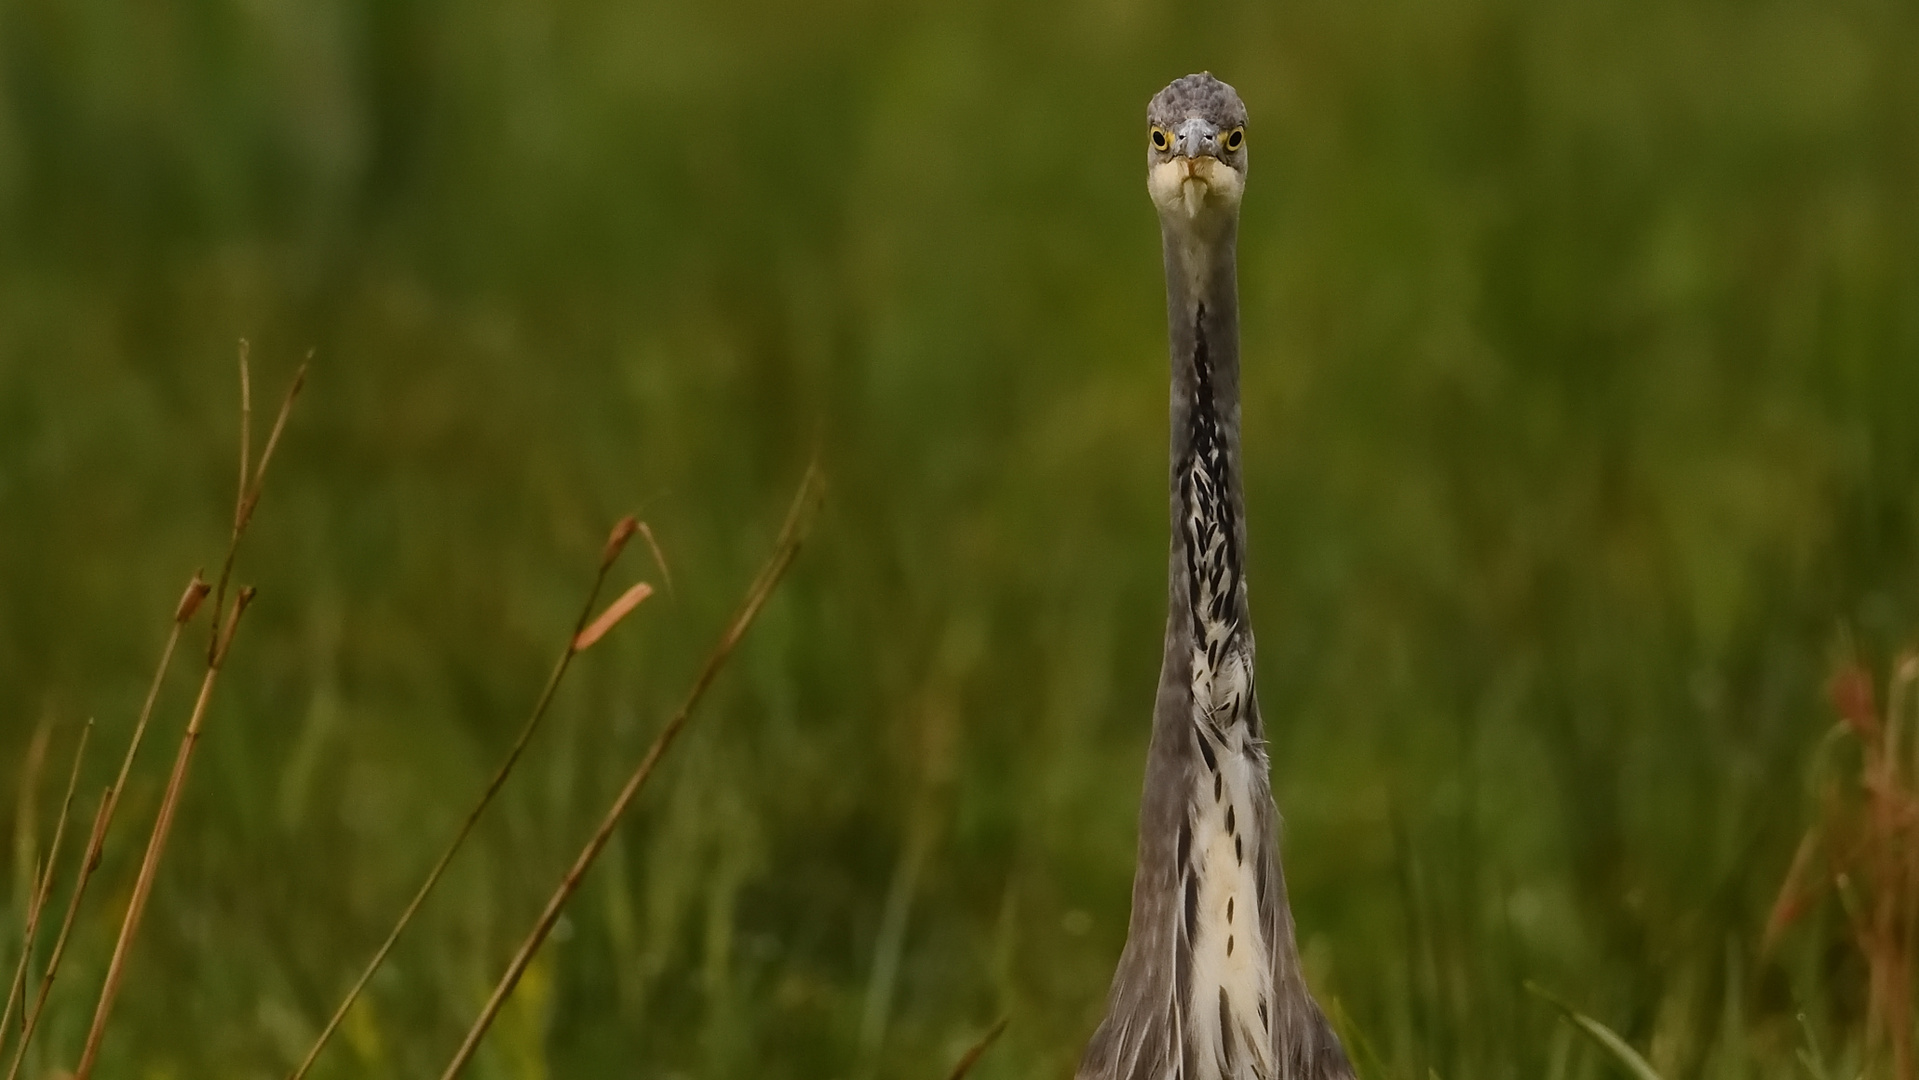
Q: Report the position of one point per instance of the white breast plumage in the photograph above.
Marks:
(1226, 1016)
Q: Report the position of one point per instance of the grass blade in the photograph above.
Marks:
(1623, 1053)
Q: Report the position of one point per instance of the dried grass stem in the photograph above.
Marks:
(792, 532)
(616, 542)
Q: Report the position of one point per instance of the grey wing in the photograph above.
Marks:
(1303, 1041)
(1142, 1036)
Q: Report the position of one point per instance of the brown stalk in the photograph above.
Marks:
(972, 1056)
(25, 818)
(1796, 893)
(784, 551)
(89, 863)
(183, 612)
(246, 500)
(240, 497)
(250, 481)
(1886, 835)
(157, 842)
(623, 531)
(37, 870)
(26, 825)
(280, 422)
(45, 884)
(1870, 838)
(659, 557)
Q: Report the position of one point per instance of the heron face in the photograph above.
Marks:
(1196, 152)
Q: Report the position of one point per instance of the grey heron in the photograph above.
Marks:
(1209, 985)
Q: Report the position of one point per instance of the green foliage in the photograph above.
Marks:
(1581, 355)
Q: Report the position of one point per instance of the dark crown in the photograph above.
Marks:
(1198, 95)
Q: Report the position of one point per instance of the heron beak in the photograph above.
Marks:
(1195, 139)
(1196, 152)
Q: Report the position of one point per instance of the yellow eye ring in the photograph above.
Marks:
(1161, 141)
(1235, 138)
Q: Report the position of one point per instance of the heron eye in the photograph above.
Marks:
(1234, 138)
(1160, 141)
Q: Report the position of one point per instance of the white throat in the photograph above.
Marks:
(1198, 201)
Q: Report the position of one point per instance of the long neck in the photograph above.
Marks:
(1207, 501)
(1209, 985)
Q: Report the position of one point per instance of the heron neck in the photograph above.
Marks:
(1202, 308)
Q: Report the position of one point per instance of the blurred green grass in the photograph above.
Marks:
(1582, 356)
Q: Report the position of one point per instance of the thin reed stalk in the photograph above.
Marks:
(41, 887)
(792, 532)
(91, 860)
(582, 637)
(26, 826)
(157, 842)
(659, 557)
(252, 476)
(183, 612)
(978, 1049)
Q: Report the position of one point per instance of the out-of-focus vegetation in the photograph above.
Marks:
(1582, 421)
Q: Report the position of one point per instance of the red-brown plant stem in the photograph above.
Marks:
(38, 903)
(1872, 856)
(972, 1055)
(788, 546)
(615, 543)
(157, 842)
(1886, 837)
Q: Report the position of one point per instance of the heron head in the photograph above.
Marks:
(1196, 150)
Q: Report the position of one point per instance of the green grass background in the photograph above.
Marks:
(1582, 424)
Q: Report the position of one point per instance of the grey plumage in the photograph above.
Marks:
(1209, 983)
